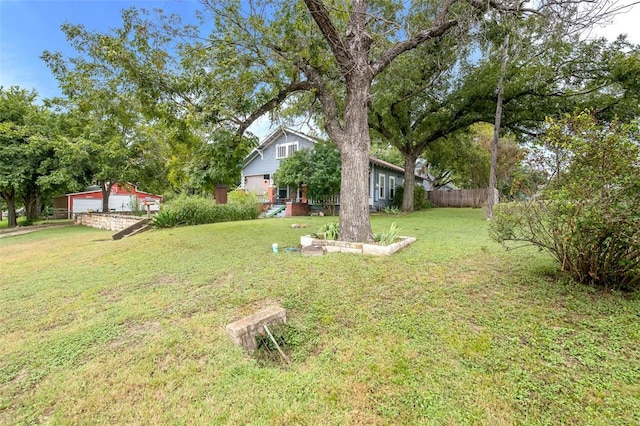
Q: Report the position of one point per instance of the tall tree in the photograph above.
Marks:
(37, 158)
(16, 105)
(442, 87)
(107, 114)
(263, 55)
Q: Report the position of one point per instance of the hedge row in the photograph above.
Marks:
(194, 210)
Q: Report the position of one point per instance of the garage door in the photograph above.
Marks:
(83, 205)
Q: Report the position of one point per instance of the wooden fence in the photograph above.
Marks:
(460, 197)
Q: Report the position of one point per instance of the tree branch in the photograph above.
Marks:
(327, 100)
(439, 27)
(273, 103)
(380, 127)
(320, 14)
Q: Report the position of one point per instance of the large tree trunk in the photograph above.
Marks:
(9, 198)
(355, 148)
(106, 190)
(409, 182)
(492, 195)
(354, 192)
(31, 204)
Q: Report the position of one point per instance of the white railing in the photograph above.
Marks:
(331, 200)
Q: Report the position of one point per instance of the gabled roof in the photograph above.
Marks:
(97, 189)
(282, 130)
(390, 166)
(386, 164)
(271, 138)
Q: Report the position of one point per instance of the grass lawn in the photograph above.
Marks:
(451, 330)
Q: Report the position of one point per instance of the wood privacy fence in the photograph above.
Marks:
(460, 197)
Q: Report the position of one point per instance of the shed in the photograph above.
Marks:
(123, 198)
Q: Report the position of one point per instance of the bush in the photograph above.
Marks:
(195, 210)
(328, 231)
(389, 237)
(165, 218)
(588, 216)
(243, 197)
(420, 201)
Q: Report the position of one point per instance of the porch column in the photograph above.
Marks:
(271, 194)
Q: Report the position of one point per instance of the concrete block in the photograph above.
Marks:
(313, 251)
(306, 240)
(244, 331)
(350, 250)
(376, 250)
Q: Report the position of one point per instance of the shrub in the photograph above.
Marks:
(165, 218)
(388, 237)
(328, 231)
(243, 197)
(588, 216)
(391, 210)
(195, 210)
(419, 198)
(135, 206)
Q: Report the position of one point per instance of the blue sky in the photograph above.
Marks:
(28, 27)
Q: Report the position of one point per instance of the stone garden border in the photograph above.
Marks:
(333, 246)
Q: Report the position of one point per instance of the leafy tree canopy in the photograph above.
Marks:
(318, 168)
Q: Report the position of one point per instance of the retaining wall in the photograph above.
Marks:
(109, 221)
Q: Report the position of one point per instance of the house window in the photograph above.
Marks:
(392, 187)
(381, 187)
(285, 150)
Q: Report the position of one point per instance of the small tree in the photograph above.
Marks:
(588, 216)
(319, 169)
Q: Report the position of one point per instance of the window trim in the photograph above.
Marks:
(381, 186)
(392, 187)
(287, 149)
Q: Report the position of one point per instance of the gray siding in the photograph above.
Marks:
(380, 202)
(267, 163)
(382, 199)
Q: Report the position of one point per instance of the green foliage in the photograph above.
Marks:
(388, 237)
(588, 216)
(419, 198)
(196, 210)
(381, 149)
(468, 156)
(166, 218)
(135, 206)
(391, 210)
(319, 169)
(294, 170)
(37, 158)
(328, 231)
(242, 197)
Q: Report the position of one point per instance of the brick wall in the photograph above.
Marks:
(297, 209)
(109, 221)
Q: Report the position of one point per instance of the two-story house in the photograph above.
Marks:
(264, 160)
